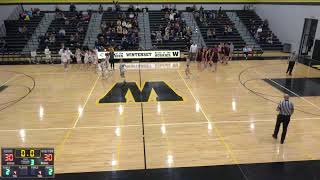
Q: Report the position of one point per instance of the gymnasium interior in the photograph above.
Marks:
(168, 110)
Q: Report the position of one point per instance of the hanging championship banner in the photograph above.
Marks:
(142, 54)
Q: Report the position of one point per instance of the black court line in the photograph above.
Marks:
(2, 88)
(294, 170)
(142, 121)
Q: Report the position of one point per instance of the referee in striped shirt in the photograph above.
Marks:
(285, 109)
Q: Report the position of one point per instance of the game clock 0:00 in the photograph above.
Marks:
(27, 162)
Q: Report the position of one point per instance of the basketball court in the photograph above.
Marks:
(225, 117)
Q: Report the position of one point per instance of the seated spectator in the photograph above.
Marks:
(225, 32)
(166, 36)
(270, 38)
(27, 18)
(259, 31)
(22, 16)
(158, 37)
(119, 30)
(118, 22)
(29, 13)
(124, 23)
(209, 33)
(23, 30)
(131, 15)
(66, 22)
(52, 39)
(230, 30)
(214, 33)
(166, 16)
(85, 16)
(72, 7)
(62, 32)
(103, 26)
(80, 29)
(171, 16)
(100, 9)
(72, 39)
(124, 31)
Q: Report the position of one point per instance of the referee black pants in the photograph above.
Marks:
(290, 67)
(285, 120)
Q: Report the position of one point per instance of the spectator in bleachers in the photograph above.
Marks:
(100, 9)
(209, 33)
(116, 6)
(270, 38)
(62, 33)
(27, 18)
(22, 16)
(52, 39)
(72, 8)
(230, 30)
(225, 32)
(158, 37)
(85, 16)
(35, 11)
(29, 13)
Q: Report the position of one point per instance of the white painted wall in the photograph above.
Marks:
(5, 12)
(286, 21)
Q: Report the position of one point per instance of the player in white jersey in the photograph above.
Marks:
(87, 59)
(78, 55)
(122, 68)
(47, 53)
(64, 58)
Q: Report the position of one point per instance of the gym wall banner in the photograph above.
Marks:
(142, 54)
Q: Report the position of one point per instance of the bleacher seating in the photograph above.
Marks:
(15, 40)
(111, 18)
(252, 22)
(157, 19)
(71, 29)
(218, 23)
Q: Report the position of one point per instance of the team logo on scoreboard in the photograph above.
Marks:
(130, 92)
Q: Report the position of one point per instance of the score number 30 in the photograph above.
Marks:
(8, 157)
(48, 157)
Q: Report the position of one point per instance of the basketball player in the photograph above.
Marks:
(78, 55)
(215, 58)
(226, 53)
(86, 59)
(204, 57)
(199, 58)
(111, 59)
(47, 53)
(64, 58)
(221, 52)
(69, 54)
(188, 71)
(122, 69)
(208, 57)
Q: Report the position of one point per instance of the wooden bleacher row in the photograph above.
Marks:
(218, 24)
(70, 29)
(246, 16)
(156, 18)
(15, 40)
(111, 17)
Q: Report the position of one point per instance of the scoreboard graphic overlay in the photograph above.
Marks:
(27, 162)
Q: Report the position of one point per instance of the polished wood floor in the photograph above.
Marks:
(219, 122)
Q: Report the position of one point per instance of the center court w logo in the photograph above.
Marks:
(129, 91)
